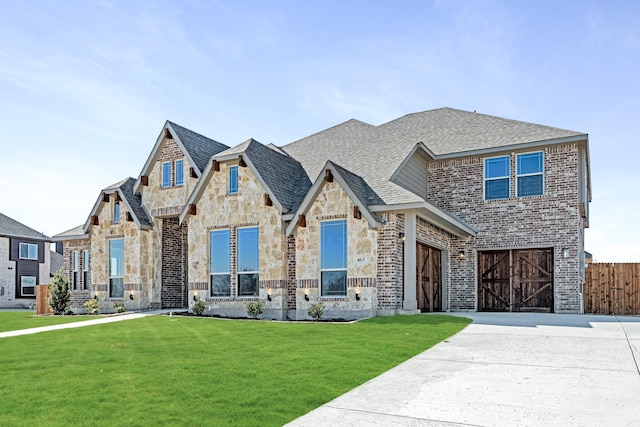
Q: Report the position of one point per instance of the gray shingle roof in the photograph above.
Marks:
(200, 147)
(74, 232)
(134, 200)
(11, 228)
(57, 260)
(360, 188)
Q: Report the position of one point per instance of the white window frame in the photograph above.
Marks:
(346, 258)
(177, 181)
(541, 173)
(22, 286)
(30, 255)
(241, 273)
(85, 269)
(167, 175)
(231, 189)
(485, 179)
(75, 269)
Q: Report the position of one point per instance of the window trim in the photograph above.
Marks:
(165, 176)
(29, 255)
(177, 182)
(346, 257)
(251, 272)
(485, 179)
(541, 173)
(219, 273)
(231, 189)
(111, 275)
(22, 286)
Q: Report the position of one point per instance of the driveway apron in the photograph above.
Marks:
(507, 369)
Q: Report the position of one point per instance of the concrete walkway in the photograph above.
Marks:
(507, 369)
(110, 319)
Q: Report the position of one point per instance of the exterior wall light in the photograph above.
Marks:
(357, 296)
(131, 297)
(565, 252)
(306, 297)
(461, 255)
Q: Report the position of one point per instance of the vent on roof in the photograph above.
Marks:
(144, 180)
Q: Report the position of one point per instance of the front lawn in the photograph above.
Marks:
(201, 371)
(14, 320)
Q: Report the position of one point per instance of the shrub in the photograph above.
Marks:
(254, 309)
(316, 310)
(198, 306)
(92, 306)
(119, 307)
(59, 298)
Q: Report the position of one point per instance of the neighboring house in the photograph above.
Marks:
(24, 263)
(434, 211)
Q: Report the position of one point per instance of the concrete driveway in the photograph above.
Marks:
(507, 369)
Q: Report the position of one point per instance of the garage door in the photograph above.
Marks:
(429, 278)
(516, 280)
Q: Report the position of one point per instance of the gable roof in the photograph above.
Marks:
(282, 176)
(132, 201)
(9, 227)
(197, 148)
(57, 261)
(76, 233)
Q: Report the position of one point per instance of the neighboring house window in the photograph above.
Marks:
(179, 179)
(220, 261)
(248, 261)
(116, 212)
(116, 268)
(28, 251)
(28, 286)
(496, 178)
(85, 270)
(75, 269)
(166, 174)
(530, 174)
(233, 180)
(333, 258)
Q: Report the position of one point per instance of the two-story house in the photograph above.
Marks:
(25, 260)
(434, 211)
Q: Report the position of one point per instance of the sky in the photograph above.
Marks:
(86, 86)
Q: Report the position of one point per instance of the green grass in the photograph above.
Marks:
(201, 371)
(14, 320)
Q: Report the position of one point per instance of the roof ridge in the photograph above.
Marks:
(328, 129)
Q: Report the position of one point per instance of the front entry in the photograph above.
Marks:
(429, 278)
(516, 280)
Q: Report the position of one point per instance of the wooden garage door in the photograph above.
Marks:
(429, 278)
(516, 280)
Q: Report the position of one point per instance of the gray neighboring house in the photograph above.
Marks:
(25, 261)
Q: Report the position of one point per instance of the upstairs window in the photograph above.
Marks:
(28, 251)
(179, 178)
(116, 212)
(220, 263)
(333, 258)
(530, 174)
(166, 174)
(496, 178)
(248, 261)
(233, 180)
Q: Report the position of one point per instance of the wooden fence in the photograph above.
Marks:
(42, 306)
(612, 289)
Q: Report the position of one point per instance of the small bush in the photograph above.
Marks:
(59, 298)
(92, 306)
(254, 309)
(198, 306)
(119, 307)
(316, 310)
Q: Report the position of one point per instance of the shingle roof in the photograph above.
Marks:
(134, 200)
(11, 228)
(74, 232)
(447, 130)
(360, 188)
(57, 260)
(200, 147)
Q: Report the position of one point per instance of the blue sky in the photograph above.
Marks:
(86, 86)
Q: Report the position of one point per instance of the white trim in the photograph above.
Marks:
(28, 245)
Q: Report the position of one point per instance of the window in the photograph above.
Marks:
(233, 180)
(85, 270)
(28, 251)
(179, 179)
(496, 178)
(530, 174)
(116, 212)
(75, 261)
(166, 174)
(28, 286)
(220, 261)
(333, 258)
(248, 261)
(116, 268)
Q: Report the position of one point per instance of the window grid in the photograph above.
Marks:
(28, 251)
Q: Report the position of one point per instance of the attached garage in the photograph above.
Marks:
(516, 280)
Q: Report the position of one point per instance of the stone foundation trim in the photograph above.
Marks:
(198, 286)
(307, 283)
(361, 282)
(133, 286)
(273, 284)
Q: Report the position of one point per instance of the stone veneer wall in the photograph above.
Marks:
(551, 220)
(332, 202)
(218, 210)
